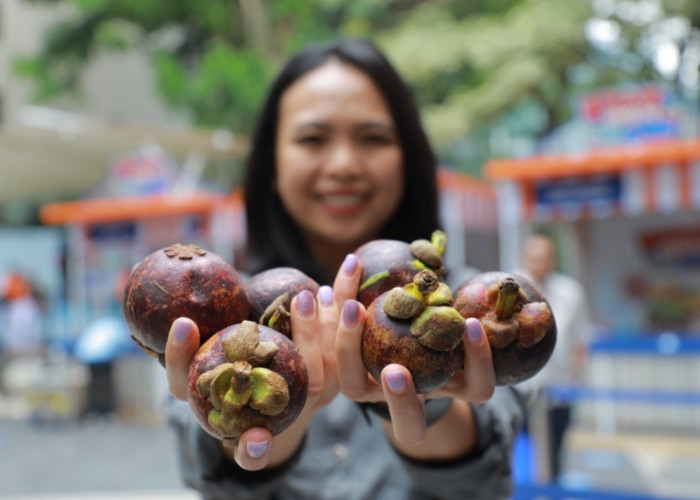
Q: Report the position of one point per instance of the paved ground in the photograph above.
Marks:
(99, 458)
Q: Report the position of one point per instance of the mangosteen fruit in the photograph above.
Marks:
(392, 263)
(181, 280)
(516, 318)
(417, 327)
(271, 292)
(246, 375)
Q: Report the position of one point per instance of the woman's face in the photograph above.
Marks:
(339, 169)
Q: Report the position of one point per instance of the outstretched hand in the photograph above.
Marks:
(475, 383)
(314, 324)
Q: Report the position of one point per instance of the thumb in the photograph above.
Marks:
(183, 342)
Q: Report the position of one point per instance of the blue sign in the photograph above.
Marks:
(587, 191)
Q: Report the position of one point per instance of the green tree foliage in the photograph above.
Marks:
(472, 70)
(213, 58)
(476, 66)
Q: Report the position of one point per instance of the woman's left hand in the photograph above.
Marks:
(475, 383)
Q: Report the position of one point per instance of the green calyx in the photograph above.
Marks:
(277, 316)
(439, 327)
(430, 252)
(427, 302)
(241, 381)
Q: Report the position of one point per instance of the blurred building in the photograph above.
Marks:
(80, 150)
(620, 189)
(118, 110)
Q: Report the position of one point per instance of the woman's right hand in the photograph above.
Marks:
(253, 448)
(314, 323)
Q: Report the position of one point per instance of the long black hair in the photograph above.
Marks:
(273, 237)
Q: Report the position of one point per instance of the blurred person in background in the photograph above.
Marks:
(340, 158)
(22, 334)
(575, 329)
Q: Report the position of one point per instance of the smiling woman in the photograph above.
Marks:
(340, 159)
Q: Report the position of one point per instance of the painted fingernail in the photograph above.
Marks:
(474, 330)
(180, 331)
(396, 381)
(351, 311)
(305, 302)
(325, 296)
(350, 263)
(257, 449)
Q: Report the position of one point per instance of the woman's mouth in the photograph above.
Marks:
(342, 204)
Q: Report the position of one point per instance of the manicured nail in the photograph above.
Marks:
(396, 381)
(257, 449)
(474, 330)
(350, 263)
(181, 331)
(325, 295)
(305, 302)
(351, 311)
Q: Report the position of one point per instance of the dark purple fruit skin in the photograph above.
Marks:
(287, 363)
(385, 255)
(513, 364)
(264, 287)
(206, 289)
(386, 340)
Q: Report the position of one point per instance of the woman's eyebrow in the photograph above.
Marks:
(311, 125)
(376, 125)
(367, 125)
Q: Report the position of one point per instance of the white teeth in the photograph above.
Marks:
(342, 200)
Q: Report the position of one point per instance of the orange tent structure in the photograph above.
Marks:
(105, 236)
(661, 176)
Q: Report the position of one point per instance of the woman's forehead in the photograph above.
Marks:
(331, 89)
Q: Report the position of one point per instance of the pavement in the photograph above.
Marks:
(96, 458)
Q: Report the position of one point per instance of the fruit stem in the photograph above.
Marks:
(439, 241)
(426, 281)
(240, 381)
(508, 293)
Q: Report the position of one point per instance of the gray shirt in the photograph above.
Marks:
(346, 457)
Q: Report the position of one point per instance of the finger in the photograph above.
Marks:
(182, 344)
(328, 320)
(347, 280)
(253, 450)
(479, 376)
(354, 381)
(328, 317)
(406, 410)
(305, 332)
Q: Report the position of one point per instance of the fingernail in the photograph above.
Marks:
(257, 449)
(305, 302)
(474, 330)
(396, 381)
(351, 310)
(180, 331)
(350, 263)
(325, 295)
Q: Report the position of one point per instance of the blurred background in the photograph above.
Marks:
(123, 127)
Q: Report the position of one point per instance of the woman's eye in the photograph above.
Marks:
(377, 139)
(310, 140)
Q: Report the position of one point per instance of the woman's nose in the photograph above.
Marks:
(343, 158)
